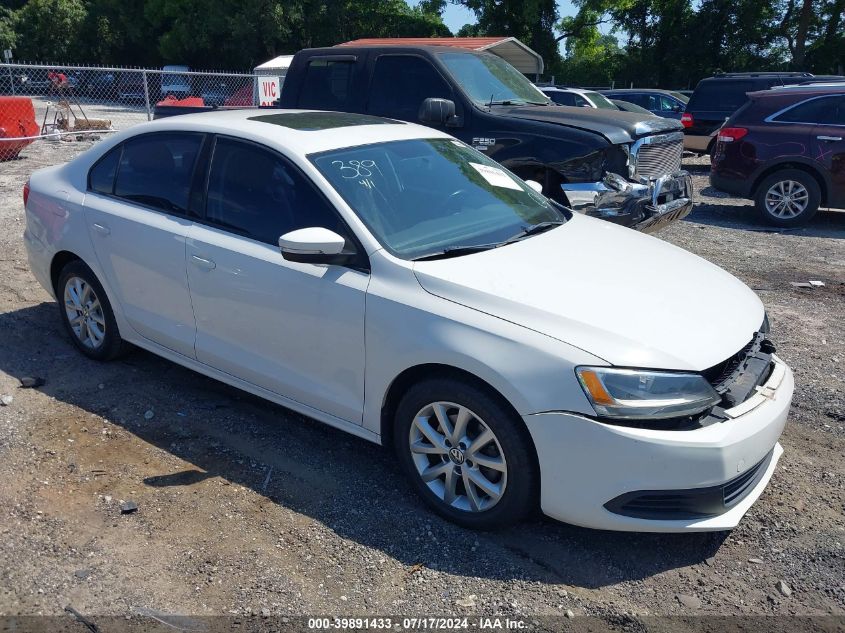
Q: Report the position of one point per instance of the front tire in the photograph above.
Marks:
(87, 314)
(789, 197)
(466, 453)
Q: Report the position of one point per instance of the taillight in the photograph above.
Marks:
(731, 134)
(686, 119)
(25, 193)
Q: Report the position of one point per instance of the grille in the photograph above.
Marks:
(658, 159)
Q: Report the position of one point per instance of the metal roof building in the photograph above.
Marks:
(517, 54)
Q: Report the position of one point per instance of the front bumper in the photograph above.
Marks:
(585, 464)
(698, 143)
(644, 207)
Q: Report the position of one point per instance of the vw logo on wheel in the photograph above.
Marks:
(456, 455)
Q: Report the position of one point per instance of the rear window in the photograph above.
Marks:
(720, 94)
(327, 84)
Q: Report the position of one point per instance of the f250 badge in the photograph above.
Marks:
(481, 143)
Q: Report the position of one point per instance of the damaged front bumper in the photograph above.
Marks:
(643, 206)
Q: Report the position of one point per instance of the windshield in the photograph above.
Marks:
(600, 101)
(423, 197)
(487, 78)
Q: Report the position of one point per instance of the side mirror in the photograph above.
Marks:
(437, 111)
(314, 245)
(536, 186)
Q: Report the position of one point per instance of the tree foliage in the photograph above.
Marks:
(204, 33)
(667, 43)
(673, 43)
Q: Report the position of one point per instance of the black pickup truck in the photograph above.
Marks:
(619, 166)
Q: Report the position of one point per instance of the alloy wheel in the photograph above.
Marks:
(786, 199)
(458, 457)
(84, 313)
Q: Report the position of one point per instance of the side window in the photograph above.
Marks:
(157, 169)
(579, 101)
(327, 85)
(563, 98)
(256, 193)
(666, 104)
(101, 176)
(824, 111)
(401, 83)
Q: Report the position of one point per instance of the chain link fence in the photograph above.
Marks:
(41, 102)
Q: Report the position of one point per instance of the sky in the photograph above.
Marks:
(455, 16)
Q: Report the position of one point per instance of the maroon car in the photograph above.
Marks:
(785, 149)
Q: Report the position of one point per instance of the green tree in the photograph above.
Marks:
(827, 52)
(118, 32)
(531, 21)
(49, 30)
(8, 37)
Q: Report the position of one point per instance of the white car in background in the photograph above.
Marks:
(578, 97)
(393, 282)
(174, 83)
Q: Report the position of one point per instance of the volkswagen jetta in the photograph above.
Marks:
(393, 282)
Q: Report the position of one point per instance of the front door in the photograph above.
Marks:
(294, 329)
(136, 211)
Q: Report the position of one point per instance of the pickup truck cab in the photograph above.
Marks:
(615, 165)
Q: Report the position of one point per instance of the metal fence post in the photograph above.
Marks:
(147, 96)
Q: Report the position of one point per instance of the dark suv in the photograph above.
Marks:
(785, 148)
(718, 97)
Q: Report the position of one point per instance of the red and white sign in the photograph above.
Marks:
(269, 89)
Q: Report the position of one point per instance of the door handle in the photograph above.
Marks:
(102, 230)
(202, 262)
(829, 138)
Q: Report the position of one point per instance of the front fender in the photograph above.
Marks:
(406, 327)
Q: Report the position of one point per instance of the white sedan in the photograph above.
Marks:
(390, 281)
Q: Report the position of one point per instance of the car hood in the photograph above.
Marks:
(628, 298)
(615, 125)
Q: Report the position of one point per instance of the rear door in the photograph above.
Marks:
(817, 124)
(400, 83)
(137, 213)
(829, 146)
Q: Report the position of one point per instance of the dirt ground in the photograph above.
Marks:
(247, 509)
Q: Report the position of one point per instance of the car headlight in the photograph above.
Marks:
(641, 394)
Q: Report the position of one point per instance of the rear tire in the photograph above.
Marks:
(466, 453)
(789, 197)
(87, 314)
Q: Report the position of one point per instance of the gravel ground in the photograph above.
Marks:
(240, 513)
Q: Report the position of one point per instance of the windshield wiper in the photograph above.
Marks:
(534, 229)
(507, 102)
(455, 251)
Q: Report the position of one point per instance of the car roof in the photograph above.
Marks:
(579, 91)
(815, 85)
(632, 90)
(300, 131)
(800, 91)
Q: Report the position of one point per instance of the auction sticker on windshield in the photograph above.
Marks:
(496, 176)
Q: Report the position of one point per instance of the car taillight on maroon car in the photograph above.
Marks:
(731, 134)
(686, 119)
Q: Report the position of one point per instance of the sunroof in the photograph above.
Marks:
(314, 121)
